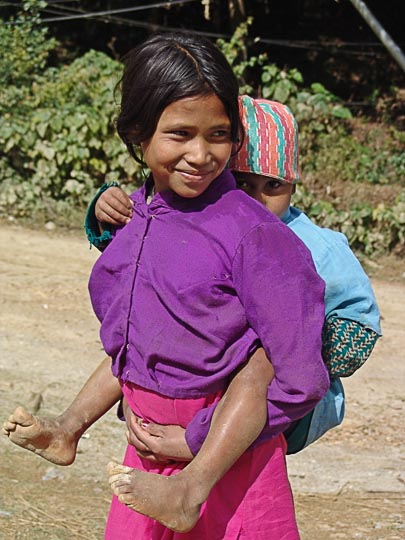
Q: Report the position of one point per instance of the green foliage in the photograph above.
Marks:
(236, 52)
(57, 134)
(377, 158)
(370, 230)
(24, 46)
(328, 149)
(58, 142)
(315, 107)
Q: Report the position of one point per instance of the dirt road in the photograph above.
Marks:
(349, 485)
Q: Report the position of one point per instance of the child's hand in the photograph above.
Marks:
(155, 442)
(114, 207)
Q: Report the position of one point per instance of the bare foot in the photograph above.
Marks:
(44, 436)
(164, 498)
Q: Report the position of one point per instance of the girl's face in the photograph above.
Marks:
(190, 146)
(275, 195)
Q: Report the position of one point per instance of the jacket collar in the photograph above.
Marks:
(168, 200)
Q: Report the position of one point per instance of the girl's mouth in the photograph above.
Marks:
(195, 176)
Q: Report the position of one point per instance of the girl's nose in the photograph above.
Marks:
(198, 152)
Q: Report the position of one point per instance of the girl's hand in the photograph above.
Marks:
(114, 206)
(163, 444)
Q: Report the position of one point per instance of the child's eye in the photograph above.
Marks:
(242, 184)
(273, 184)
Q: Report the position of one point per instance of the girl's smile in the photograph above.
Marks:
(190, 146)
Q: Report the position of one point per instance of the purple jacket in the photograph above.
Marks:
(187, 289)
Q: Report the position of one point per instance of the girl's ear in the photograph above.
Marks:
(294, 187)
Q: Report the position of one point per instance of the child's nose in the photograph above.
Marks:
(255, 193)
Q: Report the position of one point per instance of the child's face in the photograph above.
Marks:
(275, 195)
(190, 146)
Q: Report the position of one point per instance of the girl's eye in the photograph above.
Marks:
(179, 133)
(222, 134)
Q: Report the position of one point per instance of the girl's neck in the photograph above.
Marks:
(150, 194)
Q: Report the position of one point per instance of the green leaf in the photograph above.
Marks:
(318, 88)
(341, 112)
(41, 129)
(282, 91)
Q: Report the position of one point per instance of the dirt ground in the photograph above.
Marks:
(349, 485)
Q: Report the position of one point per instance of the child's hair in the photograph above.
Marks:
(164, 69)
(270, 146)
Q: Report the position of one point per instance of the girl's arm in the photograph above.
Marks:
(283, 297)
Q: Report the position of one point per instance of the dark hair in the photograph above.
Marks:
(164, 69)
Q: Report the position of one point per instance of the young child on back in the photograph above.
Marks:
(184, 315)
(267, 169)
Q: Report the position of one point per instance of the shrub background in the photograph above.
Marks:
(58, 142)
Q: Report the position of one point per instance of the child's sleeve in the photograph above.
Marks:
(352, 317)
(346, 345)
(97, 238)
(348, 291)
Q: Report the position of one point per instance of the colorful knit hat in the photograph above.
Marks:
(270, 147)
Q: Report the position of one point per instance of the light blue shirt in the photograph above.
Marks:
(348, 295)
(348, 292)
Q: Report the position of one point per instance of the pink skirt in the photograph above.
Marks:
(253, 500)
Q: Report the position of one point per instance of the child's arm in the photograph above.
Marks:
(351, 311)
(114, 206)
(110, 206)
(279, 287)
(346, 346)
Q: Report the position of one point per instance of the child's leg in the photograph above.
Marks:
(239, 418)
(56, 439)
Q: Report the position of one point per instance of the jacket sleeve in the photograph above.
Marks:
(282, 294)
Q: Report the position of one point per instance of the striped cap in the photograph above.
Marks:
(270, 147)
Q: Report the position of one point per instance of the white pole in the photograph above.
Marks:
(383, 36)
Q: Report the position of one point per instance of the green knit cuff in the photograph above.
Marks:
(346, 345)
(91, 226)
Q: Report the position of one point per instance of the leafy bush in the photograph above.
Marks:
(58, 142)
(370, 230)
(57, 134)
(377, 157)
(24, 46)
(328, 149)
(314, 107)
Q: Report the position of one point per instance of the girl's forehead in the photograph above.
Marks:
(195, 109)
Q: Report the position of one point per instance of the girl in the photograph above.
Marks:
(182, 308)
(178, 295)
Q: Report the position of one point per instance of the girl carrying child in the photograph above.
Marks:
(187, 293)
(267, 168)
